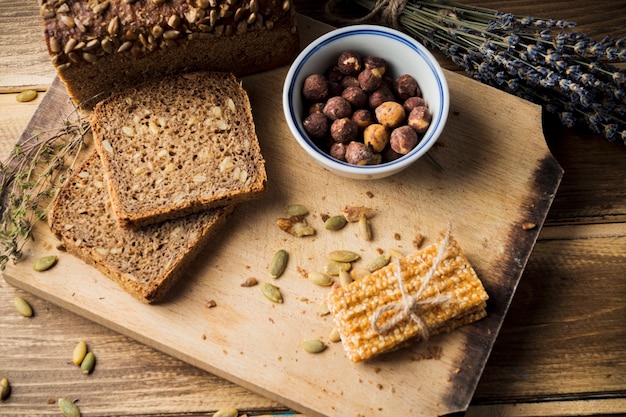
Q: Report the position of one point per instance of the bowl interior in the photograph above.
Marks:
(404, 56)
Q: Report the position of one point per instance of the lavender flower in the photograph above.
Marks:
(542, 60)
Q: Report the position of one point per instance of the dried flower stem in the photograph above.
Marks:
(29, 178)
(542, 60)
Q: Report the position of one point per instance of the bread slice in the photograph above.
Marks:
(178, 145)
(145, 262)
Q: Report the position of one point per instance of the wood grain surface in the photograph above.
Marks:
(561, 350)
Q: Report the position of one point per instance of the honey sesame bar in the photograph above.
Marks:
(432, 291)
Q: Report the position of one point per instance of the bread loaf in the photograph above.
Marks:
(103, 46)
(146, 262)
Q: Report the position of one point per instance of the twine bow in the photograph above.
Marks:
(409, 306)
(390, 11)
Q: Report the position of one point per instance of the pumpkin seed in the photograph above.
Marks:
(68, 408)
(22, 307)
(335, 222)
(345, 278)
(279, 263)
(5, 389)
(320, 278)
(322, 308)
(88, 363)
(343, 256)
(26, 95)
(313, 345)
(378, 262)
(271, 292)
(45, 262)
(227, 412)
(365, 231)
(80, 350)
(297, 210)
(335, 268)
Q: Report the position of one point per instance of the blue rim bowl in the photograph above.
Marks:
(403, 54)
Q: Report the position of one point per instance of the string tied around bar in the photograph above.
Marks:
(410, 305)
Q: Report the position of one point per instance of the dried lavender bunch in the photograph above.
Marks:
(542, 60)
(29, 178)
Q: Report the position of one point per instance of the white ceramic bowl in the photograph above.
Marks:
(403, 54)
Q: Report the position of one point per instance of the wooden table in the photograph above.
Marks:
(562, 348)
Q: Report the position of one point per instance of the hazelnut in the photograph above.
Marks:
(405, 86)
(337, 108)
(363, 118)
(349, 63)
(338, 151)
(419, 119)
(334, 88)
(379, 64)
(315, 87)
(316, 108)
(388, 154)
(369, 80)
(355, 96)
(413, 102)
(390, 114)
(403, 139)
(344, 130)
(357, 153)
(379, 96)
(376, 136)
(349, 81)
(316, 125)
(333, 74)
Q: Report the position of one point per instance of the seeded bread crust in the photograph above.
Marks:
(104, 46)
(177, 146)
(147, 262)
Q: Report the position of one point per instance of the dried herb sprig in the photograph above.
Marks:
(542, 60)
(29, 178)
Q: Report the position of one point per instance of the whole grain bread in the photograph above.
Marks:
(144, 262)
(176, 146)
(101, 46)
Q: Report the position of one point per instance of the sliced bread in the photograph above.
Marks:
(145, 262)
(177, 146)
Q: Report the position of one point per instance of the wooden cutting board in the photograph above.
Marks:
(490, 172)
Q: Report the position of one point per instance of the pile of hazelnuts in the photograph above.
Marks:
(358, 114)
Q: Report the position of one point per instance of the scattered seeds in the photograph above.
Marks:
(359, 273)
(279, 263)
(528, 225)
(5, 389)
(322, 308)
(343, 256)
(345, 278)
(26, 95)
(334, 267)
(297, 210)
(334, 335)
(44, 263)
(68, 408)
(271, 292)
(365, 231)
(227, 412)
(295, 226)
(88, 363)
(80, 350)
(250, 282)
(320, 278)
(313, 345)
(378, 262)
(23, 307)
(335, 222)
